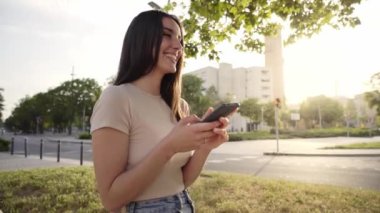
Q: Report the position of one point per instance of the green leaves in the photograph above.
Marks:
(207, 23)
(57, 108)
(193, 93)
(250, 108)
(321, 110)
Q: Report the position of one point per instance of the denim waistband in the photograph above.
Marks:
(180, 199)
(182, 196)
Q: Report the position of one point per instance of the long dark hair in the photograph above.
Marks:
(140, 55)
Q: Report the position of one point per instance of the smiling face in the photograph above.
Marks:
(171, 47)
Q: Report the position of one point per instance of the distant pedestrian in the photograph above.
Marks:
(147, 148)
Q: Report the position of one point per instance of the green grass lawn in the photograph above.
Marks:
(373, 145)
(72, 189)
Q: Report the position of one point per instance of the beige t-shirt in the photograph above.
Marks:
(146, 119)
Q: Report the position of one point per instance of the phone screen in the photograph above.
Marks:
(221, 111)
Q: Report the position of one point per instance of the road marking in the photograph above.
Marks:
(250, 157)
(216, 161)
(234, 159)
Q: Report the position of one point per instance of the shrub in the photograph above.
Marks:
(235, 137)
(4, 145)
(256, 135)
(363, 132)
(85, 135)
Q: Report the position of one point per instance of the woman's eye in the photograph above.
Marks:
(168, 35)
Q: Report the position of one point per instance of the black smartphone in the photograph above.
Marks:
(221, 111)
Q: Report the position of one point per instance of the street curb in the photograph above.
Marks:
(320, 154)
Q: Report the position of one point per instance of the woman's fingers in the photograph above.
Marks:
(224, 122)
(208, 112)
(221, 132)
(189, 120)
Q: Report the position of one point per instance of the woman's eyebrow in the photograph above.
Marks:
(166, 28)
(172, 32)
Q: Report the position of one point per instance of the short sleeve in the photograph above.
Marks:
(112, 109)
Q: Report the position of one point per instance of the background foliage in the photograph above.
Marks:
(210, 22)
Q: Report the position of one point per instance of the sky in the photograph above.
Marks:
(42, 43)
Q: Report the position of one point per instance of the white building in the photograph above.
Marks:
(262, 83)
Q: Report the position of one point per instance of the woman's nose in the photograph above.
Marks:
(177, 44)
(178, 47)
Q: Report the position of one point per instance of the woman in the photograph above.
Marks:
(147, 149)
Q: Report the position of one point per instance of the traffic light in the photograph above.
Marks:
(277, 102)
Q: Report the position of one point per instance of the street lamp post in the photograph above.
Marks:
(277, 105)
(276, 123)
(154, 5)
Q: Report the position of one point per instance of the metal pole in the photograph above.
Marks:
(59, 151)
(276, 123)
(320, 116)
(12, 145)
(84, 118)
(81, 153)
(26, 147)
(41, 148)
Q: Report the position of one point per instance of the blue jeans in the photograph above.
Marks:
(180, 202)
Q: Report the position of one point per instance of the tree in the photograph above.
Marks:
(209, 22)
(212, 94)
(192, 92)
(72, 102)
(373, 100)
(251, 109)
(58, 108)
(321, 111)
(268, 113)
(22, 117)
(350, 113)
(373, 97)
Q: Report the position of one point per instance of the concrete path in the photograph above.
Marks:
(10, 162)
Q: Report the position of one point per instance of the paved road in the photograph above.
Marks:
(358, 172)
(247, 157)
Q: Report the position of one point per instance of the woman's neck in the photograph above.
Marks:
(150, 83)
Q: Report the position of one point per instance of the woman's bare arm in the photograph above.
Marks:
(195, 165)
(110, 154)
(117, 186)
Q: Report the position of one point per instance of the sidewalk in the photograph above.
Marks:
(10, 162)
(300, 147)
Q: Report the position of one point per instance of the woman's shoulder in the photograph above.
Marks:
(114, 94)
(115, 91)
(115, 88)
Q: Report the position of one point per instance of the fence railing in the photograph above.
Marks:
(42, 144)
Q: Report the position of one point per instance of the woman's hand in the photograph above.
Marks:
(189, 134)
(220, 133)
(220, 136)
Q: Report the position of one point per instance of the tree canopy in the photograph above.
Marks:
(321, 111)
(251, 109)
(194, 94)
(59, 108)
(373, 97)
(209, 22)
